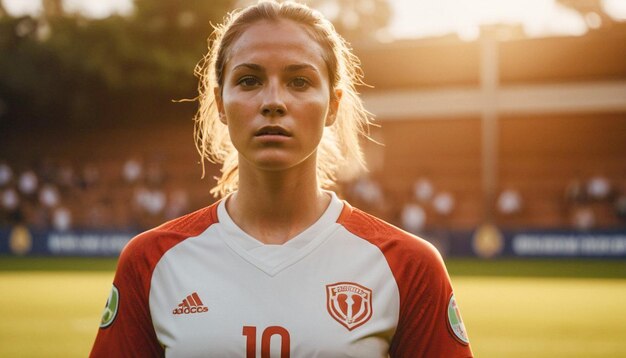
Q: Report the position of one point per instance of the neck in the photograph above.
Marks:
(275, 206)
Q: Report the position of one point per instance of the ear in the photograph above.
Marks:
(331, 117)
(217, 93)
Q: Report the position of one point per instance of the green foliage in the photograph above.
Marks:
(76, 71)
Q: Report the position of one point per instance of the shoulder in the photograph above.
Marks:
(148, 247)
(398, 246)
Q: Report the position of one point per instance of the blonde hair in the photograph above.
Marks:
(339, 148)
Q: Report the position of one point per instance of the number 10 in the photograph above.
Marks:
(250, 333)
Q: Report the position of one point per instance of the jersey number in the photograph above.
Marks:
(266, 337)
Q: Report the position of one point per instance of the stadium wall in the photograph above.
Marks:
(483, 243)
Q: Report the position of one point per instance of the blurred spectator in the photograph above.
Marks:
(48, 196)
(139, 198)
(149, 206)
(443, 203)
(366, 190)
(61, 219)
(9, 207)
(6, 174)
(423, 190)
(154, 201)
(28, 182)
(583, 218)
(509, 202)
(413, 218)
(598, 187)
(177, 204)
(10, 200)
(132, 170)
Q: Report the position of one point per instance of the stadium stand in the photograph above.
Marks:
(561, 119)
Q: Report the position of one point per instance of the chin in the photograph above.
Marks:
(270, 162)
(277, 163)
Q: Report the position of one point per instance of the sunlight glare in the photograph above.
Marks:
(23, 7)
(616, 9)
(412, 18)
(99, 9)
(423, 18)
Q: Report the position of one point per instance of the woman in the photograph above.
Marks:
(280, 267)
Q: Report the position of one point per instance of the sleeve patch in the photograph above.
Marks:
(110, 309)
(455, 322)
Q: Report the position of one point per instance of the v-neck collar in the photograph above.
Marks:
(287, 254)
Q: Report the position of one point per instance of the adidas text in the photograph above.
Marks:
(189, 310)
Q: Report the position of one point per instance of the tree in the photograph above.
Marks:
(52, 8)
(3, 11)
(356, 20)
(172, 34)
(89, 72)
(175, 17)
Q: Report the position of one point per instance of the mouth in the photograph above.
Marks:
(272, 131)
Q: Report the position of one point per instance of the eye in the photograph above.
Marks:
(300, 83)
(248, 82)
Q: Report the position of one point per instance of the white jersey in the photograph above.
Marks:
(348, 286)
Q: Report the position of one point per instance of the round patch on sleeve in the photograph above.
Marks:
(110, 309)
(455, 322)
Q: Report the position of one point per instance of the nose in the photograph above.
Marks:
(271, 110)
(273, 102)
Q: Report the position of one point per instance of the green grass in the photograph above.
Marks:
(561, 268)
(48, 264)
(543, 317)
(53, 314)
(51, 307)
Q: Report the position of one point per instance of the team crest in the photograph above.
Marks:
(455, 322)
(349, 303)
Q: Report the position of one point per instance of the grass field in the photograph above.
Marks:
(51, 307)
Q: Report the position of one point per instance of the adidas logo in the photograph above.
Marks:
(191, 304)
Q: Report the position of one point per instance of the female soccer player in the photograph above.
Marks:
(280, 267)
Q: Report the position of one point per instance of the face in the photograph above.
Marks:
(275, 97)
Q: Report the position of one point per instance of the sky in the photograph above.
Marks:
(419, 18)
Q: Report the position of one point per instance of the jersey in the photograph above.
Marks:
(350, 285)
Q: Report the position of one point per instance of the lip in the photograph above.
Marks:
(272, 131)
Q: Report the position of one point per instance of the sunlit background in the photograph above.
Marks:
(414, 19)
(503, 131)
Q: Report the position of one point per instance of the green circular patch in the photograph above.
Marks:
(455, 322)
(110, 309)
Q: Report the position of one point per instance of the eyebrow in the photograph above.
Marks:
(298, 67)
(251, 66)
(289, 68)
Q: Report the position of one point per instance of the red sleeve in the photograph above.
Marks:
(424, 328)
(130, 332)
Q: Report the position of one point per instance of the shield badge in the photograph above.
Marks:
(349, 303)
